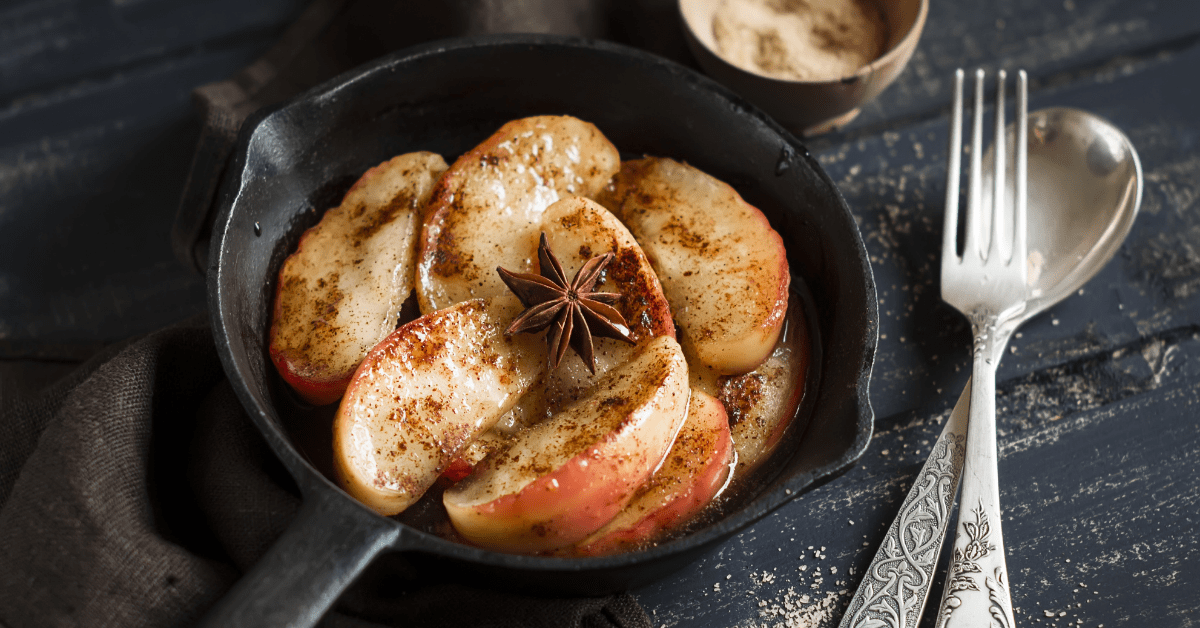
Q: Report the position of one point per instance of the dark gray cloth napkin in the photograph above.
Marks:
(136, 490)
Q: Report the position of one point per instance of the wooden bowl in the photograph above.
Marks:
(809, 107)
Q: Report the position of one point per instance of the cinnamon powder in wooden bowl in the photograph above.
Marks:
(799, 40)
(810, 64)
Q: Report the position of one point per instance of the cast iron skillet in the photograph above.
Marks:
(296, 161)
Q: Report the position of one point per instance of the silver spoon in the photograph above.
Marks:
(1085, 188)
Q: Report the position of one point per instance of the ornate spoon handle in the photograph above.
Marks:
(893, 590)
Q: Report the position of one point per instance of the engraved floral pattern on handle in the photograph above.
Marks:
(966, 560)
(892, 593)
(965, 565)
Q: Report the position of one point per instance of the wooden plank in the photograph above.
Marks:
(47, 43)
(89, 182)
(96, 135)
(1056, 41)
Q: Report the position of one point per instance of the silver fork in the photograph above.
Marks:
(987, 284)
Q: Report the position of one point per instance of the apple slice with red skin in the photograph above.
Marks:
(425, 393)
(494, 439)
(487, 209)
(458, 469)
(578, 229)
(723, 267)
(341, 292)
(695, 470)
(564, 478)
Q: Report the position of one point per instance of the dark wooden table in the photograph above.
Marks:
(1097, 399)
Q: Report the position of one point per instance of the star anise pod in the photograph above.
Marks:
(572, 312)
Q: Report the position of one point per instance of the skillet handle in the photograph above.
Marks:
(305, 571)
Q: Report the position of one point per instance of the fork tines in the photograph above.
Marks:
(979, 231)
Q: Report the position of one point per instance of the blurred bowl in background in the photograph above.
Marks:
(809, 106)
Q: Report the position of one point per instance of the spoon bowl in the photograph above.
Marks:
(1084, 191)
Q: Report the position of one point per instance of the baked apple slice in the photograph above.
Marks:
(578, 229)
(564, 478)
(695, 470)
(723, 268)
(341, 292)
(762, 403)
(423, 394)
(487, 208)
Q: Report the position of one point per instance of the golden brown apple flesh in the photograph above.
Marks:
(577, 230)
(723, 267)
(425, 393)
(566, 477)
(487, 209)
(341, 292)
(763, 403)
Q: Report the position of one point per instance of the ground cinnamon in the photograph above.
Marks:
(805, 40)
